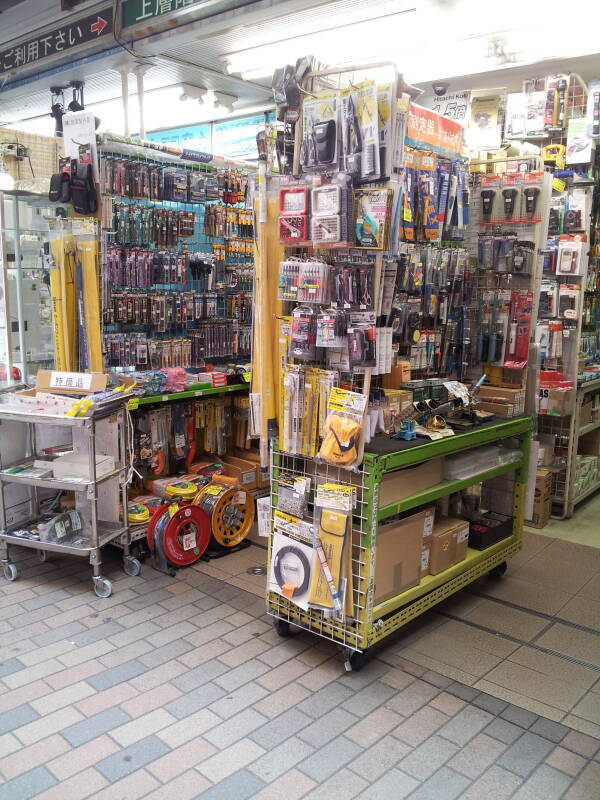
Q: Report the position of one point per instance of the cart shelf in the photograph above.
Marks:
(64, 484)
(442, 490)
(374, 622)
(106, 533)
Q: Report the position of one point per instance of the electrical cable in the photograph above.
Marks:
(279, 569)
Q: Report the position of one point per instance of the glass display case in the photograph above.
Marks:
(26, 323)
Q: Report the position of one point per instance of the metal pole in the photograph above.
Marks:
(125, 98)
(20, 320)
(5, 310)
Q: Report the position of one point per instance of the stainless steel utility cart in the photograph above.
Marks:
(16, 516)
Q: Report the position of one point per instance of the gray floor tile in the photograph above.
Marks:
(443, 785)
(491, 704)
(330, 696)
(428, 757)
(21, 715)
(465, 725)
(28, 785)
(519, 716)
(329, 759)
(9, 666)
(411, 699)
(525, 754)
(195, 700)
(379, 758)
(369, 698)
(88, 729)
(394, 784)
(282, 758)
(550, 729)
(464, 692)
(111, 677)
(546, 782)
(235, 728)
(233, 703)
(290, 723)
(504, 731)
(241, 785)
(327, 727)
(132, 758)
(193, 678)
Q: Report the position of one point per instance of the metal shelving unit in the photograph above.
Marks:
(101, 532)
(373, 623)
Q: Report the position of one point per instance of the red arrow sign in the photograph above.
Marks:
(99, 25)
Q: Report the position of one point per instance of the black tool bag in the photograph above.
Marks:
(60, 188)
(83, 191)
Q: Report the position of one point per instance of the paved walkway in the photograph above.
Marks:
(180, 688)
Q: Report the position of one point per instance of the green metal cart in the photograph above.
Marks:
(374, 622)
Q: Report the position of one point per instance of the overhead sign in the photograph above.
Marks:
(452, 105)
(57, 41)
(430, 131)
(136, 12)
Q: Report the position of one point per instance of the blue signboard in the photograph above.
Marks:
(191, 137)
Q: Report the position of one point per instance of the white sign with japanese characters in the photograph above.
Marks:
(79, 128)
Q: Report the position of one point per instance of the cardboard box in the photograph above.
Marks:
(397, 375)
(263, 479)
(54, 391)
(449, 544)
(398, 556)
(395, 486)
(245, 472)
(498, 409)
(543, 484)
(542, 511)
(503, 396)
(425, 558)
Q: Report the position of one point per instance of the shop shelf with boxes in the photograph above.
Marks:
(398, 477)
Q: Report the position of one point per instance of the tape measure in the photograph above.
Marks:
(230, 509)
(185, 530)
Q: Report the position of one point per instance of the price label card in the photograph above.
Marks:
(189, 541)
(71, 380)
(173, 509)
(214, 490)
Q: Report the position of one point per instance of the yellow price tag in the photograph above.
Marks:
(173, 509)
(407, 214)
(247, 377)
(133, 403)
(558, 185)
(214, 490)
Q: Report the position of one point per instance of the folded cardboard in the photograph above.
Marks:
(585, 415)
(77, 466)
(449, 543)
(396, 486)
(398, 556)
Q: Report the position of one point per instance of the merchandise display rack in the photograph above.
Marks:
(373, 623)
(102, 532)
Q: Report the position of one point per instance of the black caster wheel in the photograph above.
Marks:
(499, 570)
(10, 571)
(282, 627)
(355, 660)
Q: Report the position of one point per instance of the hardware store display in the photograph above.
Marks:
(352, 314)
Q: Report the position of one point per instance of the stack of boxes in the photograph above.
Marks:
(586, 473)
(415, 546)
(502, 402)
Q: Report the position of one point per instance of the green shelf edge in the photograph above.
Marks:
(443, 489)
(167, 398)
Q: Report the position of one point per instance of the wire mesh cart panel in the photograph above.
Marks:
(15, 517)
(374, 622)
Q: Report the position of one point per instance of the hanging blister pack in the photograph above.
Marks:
(342, 445)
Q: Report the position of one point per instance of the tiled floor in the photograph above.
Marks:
(532, 638)
(582, 528)
(179, 687)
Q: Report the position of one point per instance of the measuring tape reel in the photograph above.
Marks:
(231, 510)
(182, 531)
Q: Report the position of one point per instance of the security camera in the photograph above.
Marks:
(440, 89)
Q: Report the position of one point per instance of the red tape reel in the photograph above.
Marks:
(186, 534)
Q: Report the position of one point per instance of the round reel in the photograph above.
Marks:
(185, 533)
(230, 509)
